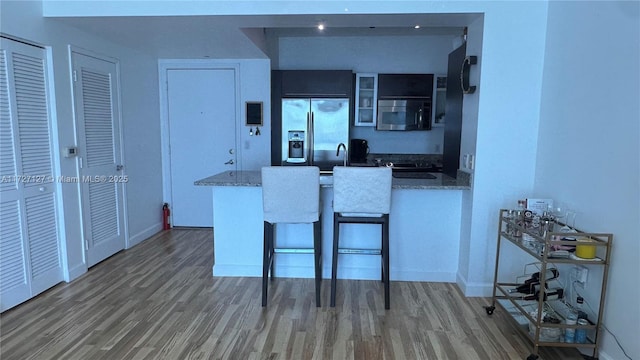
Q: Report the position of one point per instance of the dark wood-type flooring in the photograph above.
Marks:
(159, 300)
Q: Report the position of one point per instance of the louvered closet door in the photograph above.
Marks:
(97, 109)
(30, 248)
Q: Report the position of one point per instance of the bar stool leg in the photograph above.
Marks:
(382, 268)
(272, 250)
(385, 257)
(317, 251)
(334, 260)
(266, 255)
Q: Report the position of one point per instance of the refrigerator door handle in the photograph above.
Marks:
(311, 137)
(308, 151)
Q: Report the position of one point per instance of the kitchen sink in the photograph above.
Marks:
(326, 167)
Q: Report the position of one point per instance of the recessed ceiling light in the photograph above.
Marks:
(320, 26)
(417, 27)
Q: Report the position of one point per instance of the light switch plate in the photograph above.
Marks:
(70, 151)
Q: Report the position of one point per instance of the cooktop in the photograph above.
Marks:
(413, 175)
(413, 167)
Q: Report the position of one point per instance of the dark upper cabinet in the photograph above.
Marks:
(405, 85)
(316, 83)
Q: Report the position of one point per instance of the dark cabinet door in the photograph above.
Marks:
(276, 117)
(405, 85)
(453, 109)
(317, 83)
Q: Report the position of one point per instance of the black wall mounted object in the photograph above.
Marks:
(464, 74)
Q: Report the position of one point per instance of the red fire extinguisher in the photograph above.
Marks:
(165, 216)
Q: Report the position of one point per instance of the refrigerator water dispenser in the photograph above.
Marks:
(296, 146)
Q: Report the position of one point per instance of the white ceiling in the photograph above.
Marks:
(202, 36)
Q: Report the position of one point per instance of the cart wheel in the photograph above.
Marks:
(532, 357)
(489, 309)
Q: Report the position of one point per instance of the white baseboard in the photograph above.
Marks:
(430, 276)
(474, 289)
(604, 356)
(144, 234)
(237, 270)
(358, 273)
(362, 273)
(76, 272)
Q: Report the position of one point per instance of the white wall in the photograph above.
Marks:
(507, 101)
(468, 146)
(379, 54)
(141, 131)
(588, 146)
(255, 85)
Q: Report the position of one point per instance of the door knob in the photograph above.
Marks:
(231, 151)
(230, 162)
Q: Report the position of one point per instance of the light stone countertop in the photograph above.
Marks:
(253, 178)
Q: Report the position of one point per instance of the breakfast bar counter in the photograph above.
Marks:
(424, 230)
(252, 178)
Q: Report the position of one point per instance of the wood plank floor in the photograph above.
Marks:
(158, 300)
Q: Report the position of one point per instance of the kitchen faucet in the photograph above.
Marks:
(346, 152)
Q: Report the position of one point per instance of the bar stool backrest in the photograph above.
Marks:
(291, 194)
(362, 191)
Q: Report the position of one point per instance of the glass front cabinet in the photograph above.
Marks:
(366, 99)
(440, 98)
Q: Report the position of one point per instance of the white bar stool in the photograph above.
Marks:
(291, 194)
(361, 195)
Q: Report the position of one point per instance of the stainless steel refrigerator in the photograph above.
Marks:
(322, 123)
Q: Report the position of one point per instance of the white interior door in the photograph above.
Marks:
(29, 242)
(202, 138)
(101, 170)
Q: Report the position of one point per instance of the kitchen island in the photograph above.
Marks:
(424, 230)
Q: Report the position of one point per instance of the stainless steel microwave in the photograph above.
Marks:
(404, 114)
